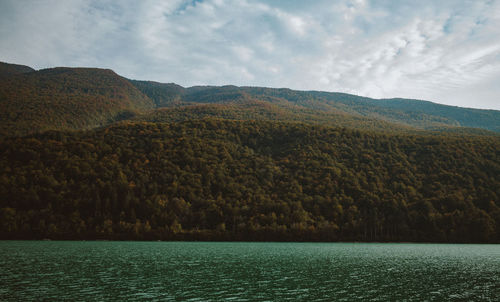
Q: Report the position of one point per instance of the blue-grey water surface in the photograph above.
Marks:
(239, 271)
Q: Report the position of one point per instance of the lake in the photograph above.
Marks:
(246, 271)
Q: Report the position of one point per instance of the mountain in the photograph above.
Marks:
(7, 69)
(453, 115)
(88, 154)
(84, 98)
(343, 108)
(66, 98)
(249, 180)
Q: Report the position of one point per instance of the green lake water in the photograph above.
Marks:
(240, 271)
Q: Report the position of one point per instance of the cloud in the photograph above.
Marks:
(446, 51)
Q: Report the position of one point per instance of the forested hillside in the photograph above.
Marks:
(163, 95)
(249, 180)
(66, 98)
(7, 69)
(342, 107)
(248, 109)
(466, 117)
(86, 98)
(86, 154)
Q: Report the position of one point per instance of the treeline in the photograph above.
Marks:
(249, 180)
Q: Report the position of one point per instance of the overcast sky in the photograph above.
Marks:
(443, 51)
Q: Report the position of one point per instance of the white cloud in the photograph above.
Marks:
(445, 51)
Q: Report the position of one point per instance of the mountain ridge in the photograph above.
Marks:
(420, 114)
(68, 98)
(7, 69)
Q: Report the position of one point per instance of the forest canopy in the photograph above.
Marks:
(249, 180)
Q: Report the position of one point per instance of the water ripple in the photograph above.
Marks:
(188, 271)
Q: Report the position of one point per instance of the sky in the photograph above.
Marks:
(444, 51)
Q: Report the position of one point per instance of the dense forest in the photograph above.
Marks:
(66, 98)
(88, 154)
(249, 180)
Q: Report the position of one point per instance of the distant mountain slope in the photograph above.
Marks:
(84, 98)
(467, 117)
(162, 94)
(343, 108)
(66, 98)
(7, 69)
(415, 113)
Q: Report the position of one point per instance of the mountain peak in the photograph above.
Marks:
(7, 69)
